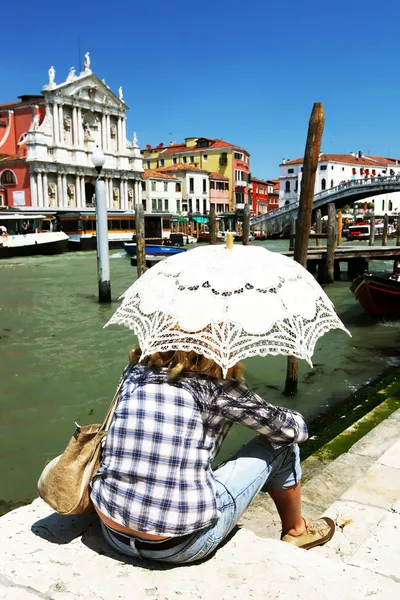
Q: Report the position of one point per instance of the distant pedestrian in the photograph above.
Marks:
(24, 228)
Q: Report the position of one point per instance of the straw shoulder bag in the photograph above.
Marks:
(64, 482)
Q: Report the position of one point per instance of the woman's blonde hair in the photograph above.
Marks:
(179, 361)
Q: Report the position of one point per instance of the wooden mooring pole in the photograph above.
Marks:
(339, 227)
(372, 230)
(398, 231)
(318, 226)
(385, 230)
(310, 164)
(330, 245)
(292, 232)
(212, 225)
(246, 225)
(140, 243)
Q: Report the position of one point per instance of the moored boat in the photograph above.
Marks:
(154, 250)
(23, 235)
(379, 296)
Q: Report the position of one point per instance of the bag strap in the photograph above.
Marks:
(111, 409)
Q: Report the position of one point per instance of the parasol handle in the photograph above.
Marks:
(229, 241)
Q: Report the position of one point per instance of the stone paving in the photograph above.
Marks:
(43, 555)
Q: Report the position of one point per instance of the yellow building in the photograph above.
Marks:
(213, 155)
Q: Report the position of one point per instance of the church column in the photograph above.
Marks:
(78, 191)
(40, 189)
(75, 127)
(65, 191)
(111, 193)
(123, 141)
(138, 193)
(34, 201)
(83, 195)
(103, 132)
(121, 195)
(61, 120)
(119, 135)
(79, 127)
(60, 196)
(45, 191)
(107, 187)
(56, 123)
(126, 195)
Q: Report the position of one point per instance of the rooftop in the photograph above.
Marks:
(350, 159)
(215, 175)
(182, 148)
(155, 174)
(180, 167)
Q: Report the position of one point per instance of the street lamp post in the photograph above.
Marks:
(103, 258)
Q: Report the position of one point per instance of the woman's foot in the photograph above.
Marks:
(315, 533)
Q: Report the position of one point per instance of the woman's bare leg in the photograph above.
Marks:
(288, 504)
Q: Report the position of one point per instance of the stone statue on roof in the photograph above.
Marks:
(52, 74)
(87, 62)
(120, 93)
(135, 140)
(71, 75)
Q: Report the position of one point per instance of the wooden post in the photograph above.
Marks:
(310, 164)
(339, 227)
(398, 231)
(372, 230)
(318, 226)
(246, 224)
(292, 232)
(261, 230)
(140, 243)
(212, 225)
(385, 230)
(330, 244)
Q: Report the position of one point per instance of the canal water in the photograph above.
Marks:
(58, 365)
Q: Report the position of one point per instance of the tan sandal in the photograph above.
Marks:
(317, 533)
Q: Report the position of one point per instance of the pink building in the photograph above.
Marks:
(219, 192)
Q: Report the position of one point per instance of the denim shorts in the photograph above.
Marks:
(238, 481)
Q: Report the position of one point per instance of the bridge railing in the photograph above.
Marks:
(353, 183)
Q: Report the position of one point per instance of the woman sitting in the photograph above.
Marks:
(156, 493)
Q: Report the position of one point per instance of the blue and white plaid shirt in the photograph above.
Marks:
(155, 475)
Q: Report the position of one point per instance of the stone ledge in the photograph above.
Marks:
(46, 556)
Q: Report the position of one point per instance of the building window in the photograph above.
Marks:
(238, 156)
(383, 205)
(175, 160)
(184, 207)
(205, 156)
(143, 186)
(323, 167)
(239, 197)
(154, 204)
(290, 171)
(390, 207)
(261, 189)
(342, 168)
(191, 184)
(178, 206)
(184, 159)
(161, 162)
(332, 168)
(190, 205)
(212, 185)
(178, 186)
(204, 205)
(197, 205)
(165, 186)
(331, 182)
(191, 159)
(223, 159)
(202, 143)
(148, 164)
(8, 178)
(227, 186)
(144, 205)
(153, 186)
(166, 205)
(296, 185)
(204, 186)
(287, 187)
(323, 184)
(159, 205)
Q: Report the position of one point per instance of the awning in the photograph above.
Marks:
(200, 219)
(179, 219)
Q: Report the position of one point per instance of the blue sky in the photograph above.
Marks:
(247, 72)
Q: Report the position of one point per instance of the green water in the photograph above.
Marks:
(58, 365)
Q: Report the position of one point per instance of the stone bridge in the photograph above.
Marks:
(346, 193)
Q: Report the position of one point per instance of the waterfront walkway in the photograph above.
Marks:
(46, 556)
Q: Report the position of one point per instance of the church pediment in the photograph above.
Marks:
(87, 88)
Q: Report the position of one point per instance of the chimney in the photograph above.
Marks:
(360, 154)
(284, 161)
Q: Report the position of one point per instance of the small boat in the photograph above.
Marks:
(25, 235)
(378, 295)
(155, 250)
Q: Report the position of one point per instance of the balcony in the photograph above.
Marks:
(240, 183)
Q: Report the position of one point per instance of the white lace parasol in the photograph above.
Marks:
(228, 304)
